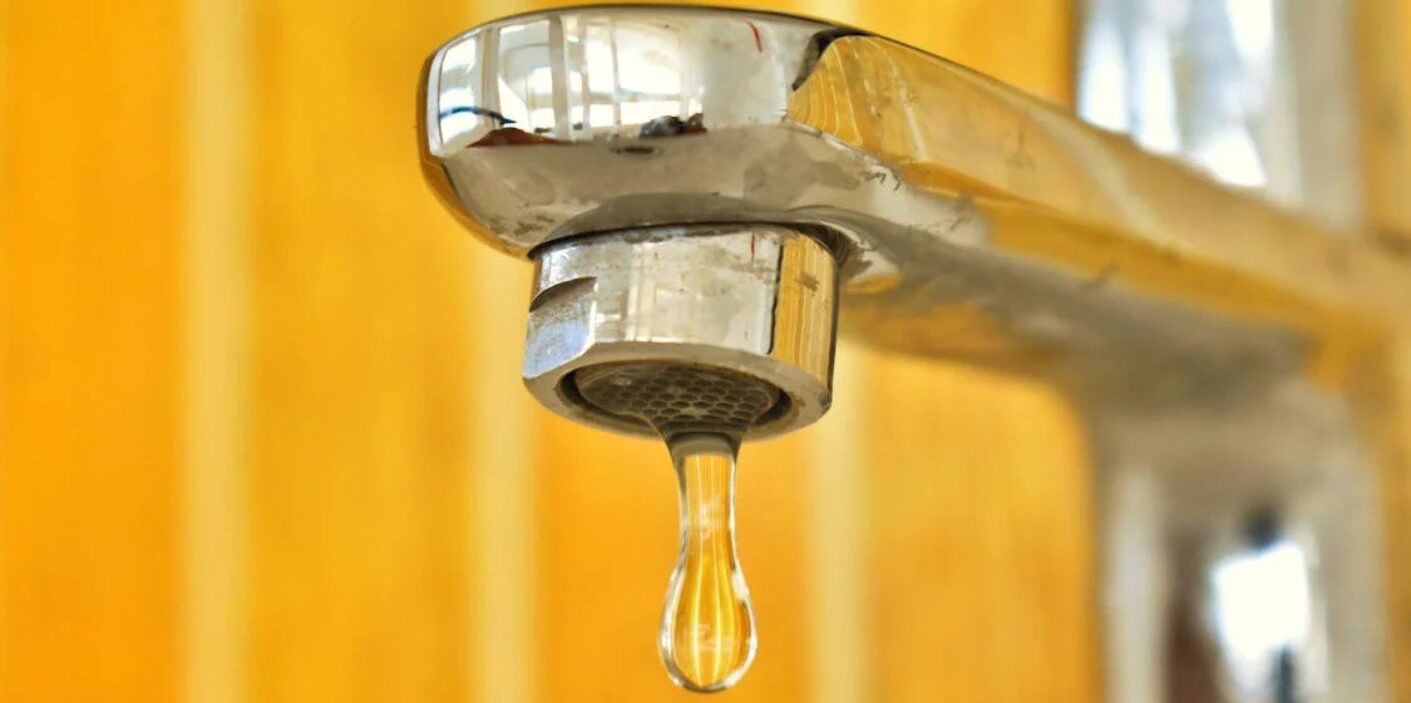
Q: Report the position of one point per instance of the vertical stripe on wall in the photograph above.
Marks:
(363, 346)
(837, 581)
(89, 312)
(216, 353)
(502, 442)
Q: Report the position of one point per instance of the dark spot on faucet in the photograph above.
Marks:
(1262, 527)
(963, 216)
(673, 126)
(1393, 244)
(635, 150)
(1020, 158)
(501, 120)
(1102, 278)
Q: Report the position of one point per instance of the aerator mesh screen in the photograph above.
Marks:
(675, 398)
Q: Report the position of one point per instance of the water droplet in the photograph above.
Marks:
(708, 629)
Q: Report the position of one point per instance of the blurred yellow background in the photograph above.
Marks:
(263, 438)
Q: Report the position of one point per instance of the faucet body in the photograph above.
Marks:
(1229, 358)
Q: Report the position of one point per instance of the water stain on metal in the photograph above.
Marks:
(637, 150)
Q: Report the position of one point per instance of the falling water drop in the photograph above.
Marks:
(707, 637)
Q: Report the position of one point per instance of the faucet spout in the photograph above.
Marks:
(1219, 347)
(1037, 242)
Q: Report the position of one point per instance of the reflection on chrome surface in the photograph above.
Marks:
(1253, 92)
(1194, 78)
(1262, 607)
(1239, 575)
(585, 75)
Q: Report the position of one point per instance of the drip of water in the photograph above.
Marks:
(707, 637)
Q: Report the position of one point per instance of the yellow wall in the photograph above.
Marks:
(90, 313)
(262, 436)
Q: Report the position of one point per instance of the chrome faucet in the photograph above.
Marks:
(727, 189)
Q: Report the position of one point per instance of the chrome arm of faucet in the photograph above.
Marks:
(1221, 348)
